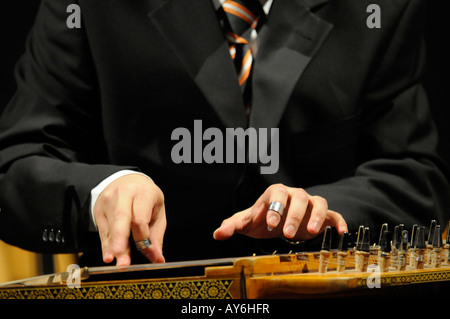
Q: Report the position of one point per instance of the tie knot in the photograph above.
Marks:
(242, 17)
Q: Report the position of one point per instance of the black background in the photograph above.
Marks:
(18, 16)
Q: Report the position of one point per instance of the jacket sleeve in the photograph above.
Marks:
(50, 138)
(399, 178)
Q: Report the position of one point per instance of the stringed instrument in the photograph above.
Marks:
(397, 261)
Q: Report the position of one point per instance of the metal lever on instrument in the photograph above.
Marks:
(326, 242)
(402, 251)
(420, 248)
(385, 251)
(342, 252)
(362, 255)
(447, 245)
(398, 229)
(413, 235)
(384, 227)
(447, 238)
(52, 279)
(411, 250)
(359, 237)
(85, 273)
(365, 245)
(396, 239)
(437, 248)
(429, 242)
(325, 252)
(431, 232)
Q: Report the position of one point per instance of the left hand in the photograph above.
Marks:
(132, 203)
(303, 217)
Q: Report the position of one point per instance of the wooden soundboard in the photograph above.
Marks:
(326, 273)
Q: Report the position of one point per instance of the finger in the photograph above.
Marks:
(275, 193)
(119, 224)
(155, 254)
(235, 224)
(319, 210)
(157, 230)
(103, 231)
(297, 208)
(145, 212)
(334, 219)
(109, 225)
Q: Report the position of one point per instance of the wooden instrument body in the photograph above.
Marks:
(274, 276)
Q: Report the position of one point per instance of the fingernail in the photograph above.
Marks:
(107, 258)
(273, 220)
(343, 227)
(289, 231)
(269, 228)
(316, 227)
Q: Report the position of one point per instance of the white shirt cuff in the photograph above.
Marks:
(96, 191)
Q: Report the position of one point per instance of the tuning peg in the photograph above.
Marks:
(413, 235)
(437, 247)
(326, 242)
(420, 238)
(411, 250)
(404, 240)
(325, 252)
(431, 232)
(419, 246)
(384, 228)
(447, 245)
(447, 238)
(385, 248)
(342, 252)
(398, 235)
(365, 245)
(359, 237)
(344, 241)
(437, 237)
(362, 255)
(403, 247)
(385, 241)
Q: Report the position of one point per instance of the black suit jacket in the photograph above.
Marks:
(353, 118)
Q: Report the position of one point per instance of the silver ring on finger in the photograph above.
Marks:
(277, 207)
(143, 244)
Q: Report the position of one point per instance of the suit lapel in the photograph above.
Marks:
(194, 32)
(288, 42)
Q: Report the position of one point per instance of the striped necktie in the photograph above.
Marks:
(242, 17)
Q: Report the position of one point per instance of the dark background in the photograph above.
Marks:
(18, 15)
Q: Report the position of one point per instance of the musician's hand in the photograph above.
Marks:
(304, 216)
(132, 202)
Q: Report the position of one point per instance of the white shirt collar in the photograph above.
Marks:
(267, 4)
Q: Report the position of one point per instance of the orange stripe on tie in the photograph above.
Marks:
(244, 9)
(233, 51)
(246, 67)
(232, 37)
(241, 12)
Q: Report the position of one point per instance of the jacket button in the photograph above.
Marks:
(45, 235)
(51, 235)
(59, 237)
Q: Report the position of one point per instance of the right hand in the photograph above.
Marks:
(130, 203)
(304, 216)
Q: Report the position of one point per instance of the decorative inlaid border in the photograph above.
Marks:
(412, 278)
(199, 289)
